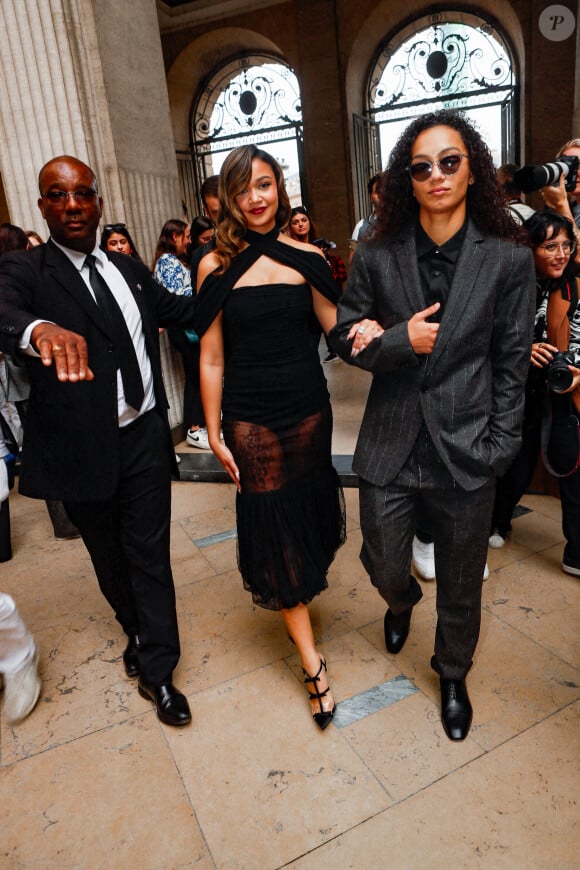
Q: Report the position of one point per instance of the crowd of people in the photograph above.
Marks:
(460, 301)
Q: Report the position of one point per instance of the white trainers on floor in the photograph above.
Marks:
(496, 541)
(198, 438)
(21, 691)
(424, 559)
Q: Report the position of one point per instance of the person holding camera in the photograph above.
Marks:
(564, 200)
(552, 408)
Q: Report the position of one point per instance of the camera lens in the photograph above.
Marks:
(559, 377)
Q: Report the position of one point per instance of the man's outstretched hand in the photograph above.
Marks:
(66, 349)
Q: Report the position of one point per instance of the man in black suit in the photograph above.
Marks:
(445, 294)
(86, 325)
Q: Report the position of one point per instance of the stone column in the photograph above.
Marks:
(86, 77)
(325, 126)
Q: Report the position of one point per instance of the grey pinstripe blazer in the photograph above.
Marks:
(469, 391)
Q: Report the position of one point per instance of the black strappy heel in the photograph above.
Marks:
(322, 718)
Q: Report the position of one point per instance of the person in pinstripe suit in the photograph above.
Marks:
(439, 307)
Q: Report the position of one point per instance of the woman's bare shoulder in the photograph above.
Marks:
(207, 265)
(302, 246)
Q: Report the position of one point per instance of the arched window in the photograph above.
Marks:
(254, 99)
(449, 60)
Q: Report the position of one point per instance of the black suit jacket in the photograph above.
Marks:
(469, 392)
(70, 449)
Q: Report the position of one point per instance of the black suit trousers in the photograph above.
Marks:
(127, 537)
(459, 522)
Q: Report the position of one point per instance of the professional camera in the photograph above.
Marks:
(530, 178)
(558, 375)
(324, 244)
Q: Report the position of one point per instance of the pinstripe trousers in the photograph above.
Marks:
(459, 522)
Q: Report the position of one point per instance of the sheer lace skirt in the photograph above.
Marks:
(290, 513)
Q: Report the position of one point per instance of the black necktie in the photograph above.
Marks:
(124, 347)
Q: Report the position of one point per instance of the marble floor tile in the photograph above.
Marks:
(223, 634)
(189, 501)
(499, 811)
(513, 684)
(536, 531)
(109, 800)
(371, 701)
(406, 748)
(541, 601)
(92, 779)
(84, 688)
(544, 504)
(265, 783)
(210, 522)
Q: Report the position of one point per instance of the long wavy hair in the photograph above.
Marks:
(165, 243)
(301, 209)
(198, 226)
(485, 206)
(235, 174)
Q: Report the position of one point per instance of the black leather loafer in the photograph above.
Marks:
(172, 706)
(397, 629)
(456, 709)
(131, 656)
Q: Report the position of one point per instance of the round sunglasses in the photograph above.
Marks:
(448, 165)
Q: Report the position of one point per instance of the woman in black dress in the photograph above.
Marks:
(259, 293)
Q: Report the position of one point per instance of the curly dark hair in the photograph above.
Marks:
(538, 225)
(485, 205)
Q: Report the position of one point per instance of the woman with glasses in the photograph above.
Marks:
(450, 283)
(115, 237)
(552, 396)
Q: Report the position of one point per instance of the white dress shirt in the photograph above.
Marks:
(128, 306)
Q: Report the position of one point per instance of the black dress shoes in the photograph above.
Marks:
(172, 706)
(397, 629)
(456, 710)
(131, 656)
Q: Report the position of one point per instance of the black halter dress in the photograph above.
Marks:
(277, 422)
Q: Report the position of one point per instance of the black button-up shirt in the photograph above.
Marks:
(437, 266)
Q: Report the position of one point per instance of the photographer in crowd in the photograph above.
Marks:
(565, 201)
(512, 194)
(552, 408)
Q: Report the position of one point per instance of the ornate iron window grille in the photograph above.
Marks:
(446, 64)
(252, 100)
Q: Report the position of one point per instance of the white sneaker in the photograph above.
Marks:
(21, 691)
(496, 541)
(177, 458)
(198, 438)
(424, 558)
